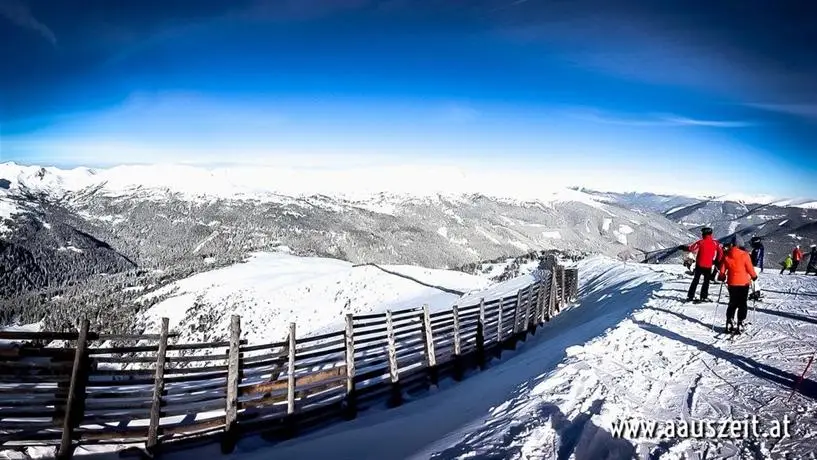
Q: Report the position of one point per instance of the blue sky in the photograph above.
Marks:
(705, 97)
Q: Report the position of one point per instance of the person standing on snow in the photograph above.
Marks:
(812, 260)
(787, 264)
(738, 273)
(796, 257)
(708, 250)
(757, 255)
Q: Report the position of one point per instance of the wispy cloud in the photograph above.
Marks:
(673, 120)
(667, 120)
(18, 12)
(801, 110)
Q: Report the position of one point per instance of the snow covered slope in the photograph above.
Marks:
(663, 363)
(271, 290)
(630, 350)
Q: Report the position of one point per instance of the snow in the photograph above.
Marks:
(630, 350)
(443, 232)
(733, 226)
(487, 235)
(205, 241)
(377, 189)
(69, 248)
(7, 208)
(622, 232)
(606, 224)
(519, 244)
(783, 223)
(552, 234)
(676, 209)
(270, 290)
(747, 198)
(31, 327)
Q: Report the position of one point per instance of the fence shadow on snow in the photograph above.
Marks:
(167, 395)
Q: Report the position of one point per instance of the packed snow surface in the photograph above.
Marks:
(271, 290)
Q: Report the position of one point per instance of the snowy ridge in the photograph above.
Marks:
(372, 188)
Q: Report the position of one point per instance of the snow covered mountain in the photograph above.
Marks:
(84, 234)
(782, 223)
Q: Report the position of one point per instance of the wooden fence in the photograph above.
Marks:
(158, 393)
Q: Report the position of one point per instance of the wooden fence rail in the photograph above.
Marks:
(160, 393)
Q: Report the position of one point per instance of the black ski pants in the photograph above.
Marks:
(738, 301)
(696, 278)
(794, 266)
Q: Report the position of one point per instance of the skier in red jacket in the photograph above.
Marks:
(708, 251)
(796, 257)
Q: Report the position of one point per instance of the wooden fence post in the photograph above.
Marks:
(396, 392)
(540, 303)
(562, 283)
(516, 318)
(527, 329)
(431, 357)
(76, 394)
(158, 389)
(458, 367)
(499, 323)
(289, 421)
(517, 314)
(351, 394)
(553, 296)
(480, 338)
(233, 369)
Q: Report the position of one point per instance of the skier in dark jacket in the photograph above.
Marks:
(812, 261)
(758, 252)
(708, 251)
(757, 255)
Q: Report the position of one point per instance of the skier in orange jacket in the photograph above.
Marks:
(738, 272)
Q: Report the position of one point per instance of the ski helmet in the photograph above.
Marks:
(706, 231)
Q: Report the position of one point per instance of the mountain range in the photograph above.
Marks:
(85, 240)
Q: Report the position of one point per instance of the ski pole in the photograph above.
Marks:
(754, 299)
(800, 380)
(715, 313)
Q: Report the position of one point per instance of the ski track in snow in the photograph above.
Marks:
(663, 363)
(629, 350)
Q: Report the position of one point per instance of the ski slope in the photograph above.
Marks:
(662, 363)
(630, 350)
(272, 289)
